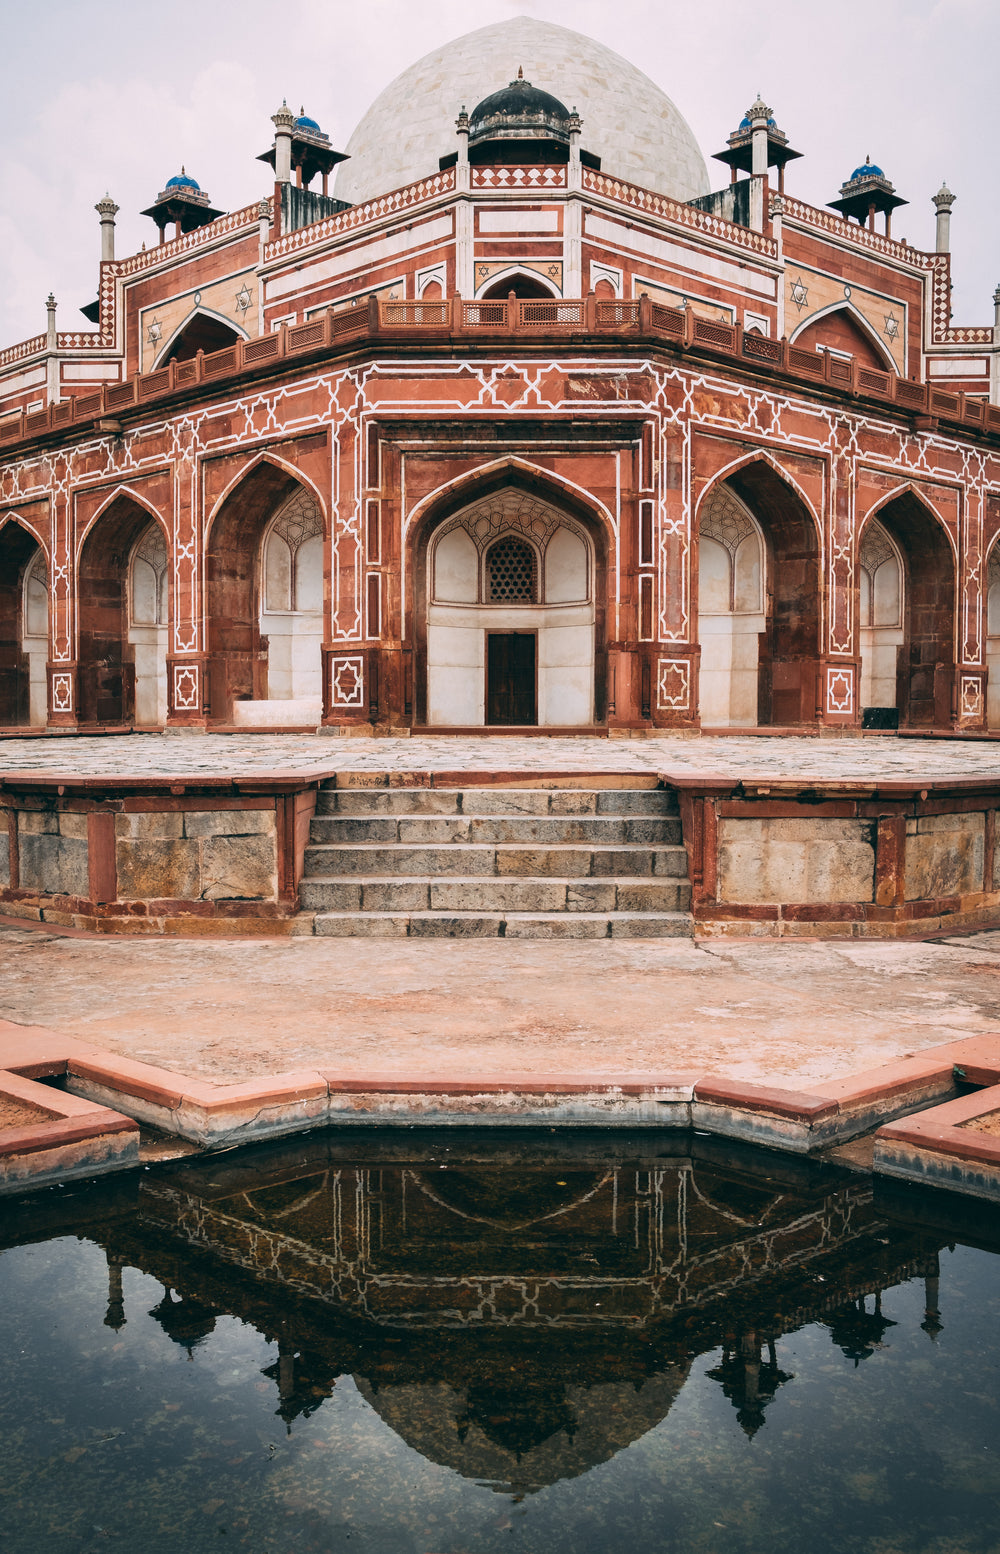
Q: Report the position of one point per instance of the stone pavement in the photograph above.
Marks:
(878, 758)
(784, 1013)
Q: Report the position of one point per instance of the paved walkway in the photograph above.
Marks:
(784, 1013)
(871, 759)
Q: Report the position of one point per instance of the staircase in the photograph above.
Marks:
(559, 863)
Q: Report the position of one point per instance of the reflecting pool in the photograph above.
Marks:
(413, 1343)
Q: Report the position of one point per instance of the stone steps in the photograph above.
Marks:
(547, 830)
(497, 862)
(469, 858)
(478, 893)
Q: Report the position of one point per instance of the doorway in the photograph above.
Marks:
(510, 678)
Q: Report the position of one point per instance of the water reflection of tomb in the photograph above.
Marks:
(518, 1322)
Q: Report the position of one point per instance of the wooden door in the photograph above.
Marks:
(510, 677)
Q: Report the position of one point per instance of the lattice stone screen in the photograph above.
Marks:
(512, 572)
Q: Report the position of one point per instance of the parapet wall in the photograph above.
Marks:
(807, 862)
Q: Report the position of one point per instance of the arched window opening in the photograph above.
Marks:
(201, 333)
(512, 572)
(521, 285)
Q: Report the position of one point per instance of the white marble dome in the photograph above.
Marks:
(627, 121)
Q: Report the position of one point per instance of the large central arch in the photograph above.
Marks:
(509, 607)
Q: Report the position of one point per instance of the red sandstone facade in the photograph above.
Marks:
(542, 342)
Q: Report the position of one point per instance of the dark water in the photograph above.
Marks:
(405, 1344)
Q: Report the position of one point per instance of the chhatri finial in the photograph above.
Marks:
(520, 72)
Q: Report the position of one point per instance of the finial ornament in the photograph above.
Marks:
(944, 199)
(520, 72)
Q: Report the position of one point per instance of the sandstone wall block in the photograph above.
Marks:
(57, 865)
(158, 868)
(945, 855)
(791, 860)
(237, 867)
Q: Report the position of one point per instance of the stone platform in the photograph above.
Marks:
(864, 837)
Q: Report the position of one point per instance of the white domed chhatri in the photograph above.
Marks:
(627, 121)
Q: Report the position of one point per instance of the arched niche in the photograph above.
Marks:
(201, 331)
(844, 331)
(880, 614)
(731, 618)
(107, 653)
(925, 651)
(148, 596)
(762, 554)
(512, 630)
(523, 283)
(264, 575)
(291, 615)
(24, 629)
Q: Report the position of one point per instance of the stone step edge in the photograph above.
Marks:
(626, 880)
(458, 924)
(533, 846)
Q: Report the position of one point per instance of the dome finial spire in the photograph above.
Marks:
(520, 72)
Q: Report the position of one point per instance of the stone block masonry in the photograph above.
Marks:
(199, 855)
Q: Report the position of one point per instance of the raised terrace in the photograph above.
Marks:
(552, 837)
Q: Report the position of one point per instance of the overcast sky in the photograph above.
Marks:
(117, 94)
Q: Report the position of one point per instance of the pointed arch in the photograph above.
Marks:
(204, 336)
(763, 456)
(22, 521)
(122, 492)
(516, 278)
(908, 488)
(278, 463)
(860, 323)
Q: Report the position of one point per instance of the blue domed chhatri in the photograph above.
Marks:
(182, 181)
(304, 122)
(868, 169)
(865, 193)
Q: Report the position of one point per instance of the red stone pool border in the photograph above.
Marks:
(94, 1123)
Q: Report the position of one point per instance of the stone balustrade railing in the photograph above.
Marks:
(519, 324)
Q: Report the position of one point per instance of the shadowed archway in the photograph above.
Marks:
(925, 664)
(239, 596)
(785, 614)
(107, 673)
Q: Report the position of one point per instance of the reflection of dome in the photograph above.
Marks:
(520, 1441)
(627, 120)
